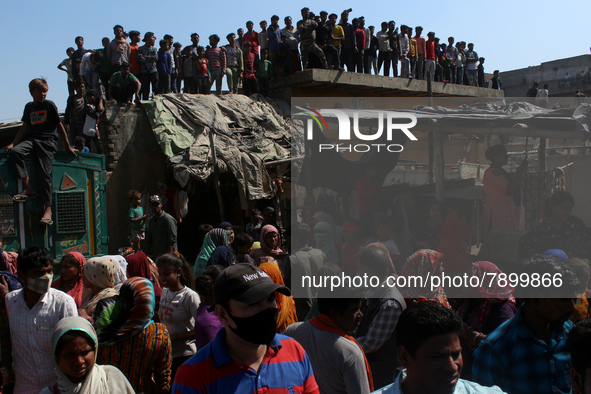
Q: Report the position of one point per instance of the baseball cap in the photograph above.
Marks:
(558, 253)
(155, 199)
(245, 283)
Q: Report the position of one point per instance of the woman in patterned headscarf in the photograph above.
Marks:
(99, 279)
(490, 306)
(213, 239)
(270, 250)
(138, 264)
(424, 263)
(130, 340)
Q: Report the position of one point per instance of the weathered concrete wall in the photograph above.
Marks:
(134, 161)
(554, 73)
(321, 83)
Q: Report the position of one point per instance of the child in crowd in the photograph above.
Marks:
(263, 37)
(201, 74)
(66, 65)
(217, 63)
(74, 116)
(264, 72)
(178, 69)
(164, 65)
(39, 135)
(250, 81)
(93, 109)
(178, 306)
(243, 244)
(187, 62)
(79, 145)
(480, 72)
(137, 218)
(134, 36)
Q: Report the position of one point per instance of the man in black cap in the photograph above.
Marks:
(246, 354)
(161, 230)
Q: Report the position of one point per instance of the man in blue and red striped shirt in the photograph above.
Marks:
(247, 356)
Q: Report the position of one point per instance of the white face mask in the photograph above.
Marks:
(40, 285)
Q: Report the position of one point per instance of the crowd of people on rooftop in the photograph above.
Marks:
(251, 58)
(149, 321)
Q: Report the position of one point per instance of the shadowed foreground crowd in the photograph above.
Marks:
(151, 323)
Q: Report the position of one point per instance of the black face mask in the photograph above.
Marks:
(258, 329)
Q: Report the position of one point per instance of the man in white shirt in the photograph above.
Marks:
(427, 335)
(404, 47)
(384, 51)
(33, 312)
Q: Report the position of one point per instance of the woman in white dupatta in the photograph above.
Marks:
(74, 355)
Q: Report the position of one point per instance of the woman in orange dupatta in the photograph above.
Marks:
(285, 304)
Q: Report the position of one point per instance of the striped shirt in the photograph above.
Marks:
(31, 331)
(285, 366)
(145, 359)
(217, 59)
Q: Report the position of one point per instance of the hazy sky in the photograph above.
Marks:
(509, 34)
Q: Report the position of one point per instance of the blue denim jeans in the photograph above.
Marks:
(472, 77)
(459, 75)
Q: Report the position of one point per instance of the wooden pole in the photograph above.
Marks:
(440, 165)
(216, 176)
(430, 133)
(542, 154)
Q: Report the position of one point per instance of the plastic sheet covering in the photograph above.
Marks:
(247, 131)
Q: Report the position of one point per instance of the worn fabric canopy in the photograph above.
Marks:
(245, 132)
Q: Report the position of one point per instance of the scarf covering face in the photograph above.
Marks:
(286, 304)
(213, 239)
(324, 240)
(121, 317)
(276, 251)
(96, 381)
(424, 262)
(101, 271)
(78, 289)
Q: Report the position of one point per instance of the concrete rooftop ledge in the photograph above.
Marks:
(320, 82)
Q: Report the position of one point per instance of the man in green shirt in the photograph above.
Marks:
(123, 85)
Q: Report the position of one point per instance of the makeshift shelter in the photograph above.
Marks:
(234, 133)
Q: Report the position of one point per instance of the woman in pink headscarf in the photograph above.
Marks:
(270, 251)
(490, 306)
(70, 280)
